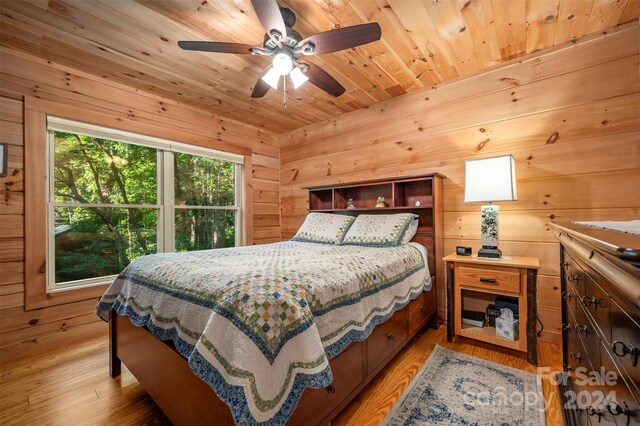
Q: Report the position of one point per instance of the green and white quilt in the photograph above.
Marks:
(259, 324)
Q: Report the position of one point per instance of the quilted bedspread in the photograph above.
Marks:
(260, 323)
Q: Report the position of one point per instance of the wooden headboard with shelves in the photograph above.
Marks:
(421, 195)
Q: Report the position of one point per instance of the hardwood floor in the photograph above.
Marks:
(376, 400)
(72, 385)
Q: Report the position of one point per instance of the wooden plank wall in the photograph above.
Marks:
(24, 332)
(570, 116)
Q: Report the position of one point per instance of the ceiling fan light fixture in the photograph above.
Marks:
(272, 77)
(282, 63)
(298, 78)
(285, 46)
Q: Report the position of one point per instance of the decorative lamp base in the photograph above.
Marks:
(489, 232)
(491, 252)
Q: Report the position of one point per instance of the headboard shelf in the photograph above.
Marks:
(381, 210)
(401, 195)
(416, 192)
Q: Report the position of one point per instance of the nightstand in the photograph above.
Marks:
(473, 283)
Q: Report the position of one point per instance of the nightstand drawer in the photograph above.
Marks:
(488, 278)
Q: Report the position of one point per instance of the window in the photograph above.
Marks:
(117, 196)
(205, 200)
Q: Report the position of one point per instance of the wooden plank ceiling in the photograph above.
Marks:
(423, 43)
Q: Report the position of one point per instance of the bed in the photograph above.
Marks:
(284, 332)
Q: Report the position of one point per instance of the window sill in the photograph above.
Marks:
(62, 296)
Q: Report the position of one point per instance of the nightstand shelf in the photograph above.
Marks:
(487, 334)
(473, 283)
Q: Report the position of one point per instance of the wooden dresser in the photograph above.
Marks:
(601, 326)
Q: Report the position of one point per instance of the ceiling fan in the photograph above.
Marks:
(285, 47)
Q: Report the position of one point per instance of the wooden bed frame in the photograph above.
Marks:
(186, 399)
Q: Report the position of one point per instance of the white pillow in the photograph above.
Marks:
(383, 230)
(411, 231)
(324, 228)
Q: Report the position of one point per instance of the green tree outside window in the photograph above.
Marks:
(94, 239)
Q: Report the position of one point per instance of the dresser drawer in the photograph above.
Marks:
(488, 278)
(586, 393)
(597, 303)
(620, 390)
(573, 273)
(625, 343)
(576, 353)
(385, 338)
(420, 310)
(588, 335)
(570, 296)
(348, 373)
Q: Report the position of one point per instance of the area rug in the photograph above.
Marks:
(457, 389)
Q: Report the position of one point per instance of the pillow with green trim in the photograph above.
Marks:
(325, 228)
(379, 230)
(411, 231)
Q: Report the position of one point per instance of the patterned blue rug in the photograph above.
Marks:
(457, 389)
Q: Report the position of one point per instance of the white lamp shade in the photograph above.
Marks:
(271, 78)
(490, 179)
(298, 78)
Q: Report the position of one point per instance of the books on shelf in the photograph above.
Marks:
(473, 318)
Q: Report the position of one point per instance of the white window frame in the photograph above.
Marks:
(165, 200)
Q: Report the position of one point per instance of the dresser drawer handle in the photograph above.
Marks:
(331, 389)
(593, 412)
(566, 327)
(573, 278)
(621, 349)
(423, 308)
(588, 301)
(576, 357)
(487, 280)
(620, 410)
(567, 296)
(391, 337)
(582, 329)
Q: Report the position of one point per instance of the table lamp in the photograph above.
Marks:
(489, 180)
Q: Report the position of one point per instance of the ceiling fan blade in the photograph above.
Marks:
(322, 79)
(344, 38)
(215, 46)
(262, 87)
(270, 17)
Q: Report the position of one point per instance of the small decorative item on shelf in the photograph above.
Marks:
(507, 325)
(492, 314)
(350, 205)
(380, 203)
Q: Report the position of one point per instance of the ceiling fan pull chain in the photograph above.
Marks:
(284, 90)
